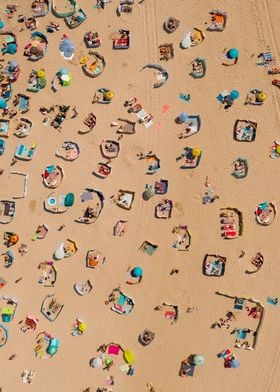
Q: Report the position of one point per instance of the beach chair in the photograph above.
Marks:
(239, 304)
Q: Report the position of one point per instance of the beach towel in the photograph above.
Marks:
(23, 104)
(239, 304)
(113, 349)
(124, 368)
(241, 333)
(170, 314)
(121, 300)
(165, 108)
(85, 196)
(2, 283)
(272, 301)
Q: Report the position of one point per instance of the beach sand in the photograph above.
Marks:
(251, 27)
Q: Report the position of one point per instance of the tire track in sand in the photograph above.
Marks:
(264, 21)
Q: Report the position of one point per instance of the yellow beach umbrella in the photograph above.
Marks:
(261, 97)
(109, 95)
(82, 327)
(129, 356)
(83, 60)
(278, 149)
(41, 73)
(196, 152)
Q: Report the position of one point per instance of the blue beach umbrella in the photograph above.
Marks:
(234, 94)
(3, 103)
(63, 71)
(234, 363)
(2, 24)
(11, 48)
(183, 116)
(137, 272)
(233, 53)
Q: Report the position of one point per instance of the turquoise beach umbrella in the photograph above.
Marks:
(234, 94)
(3, 103)
(233, 53)
(137, 272)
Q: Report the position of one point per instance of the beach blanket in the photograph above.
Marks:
(113, 349)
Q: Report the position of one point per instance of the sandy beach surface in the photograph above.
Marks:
(253, 28)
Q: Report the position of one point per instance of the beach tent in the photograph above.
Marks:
(129, 356)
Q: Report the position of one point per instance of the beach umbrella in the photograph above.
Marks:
(129, 356)
(261, 97)
(69, 199)
(41, 73)
(148, 193)
(82, 327)
(14, 238)
(2, 24)
(196, 152)
(51, 350)
(66, 80)
(96, 363)
(83, 60)
(3, 103)
(183, 116)
(233, 53)
(234, 94)
(59, 253)
(13, 64)
(198, 360)
(278, 149)
(109, 95)
(234, 363)
(11, 48)
(137, 272)
(63, 71)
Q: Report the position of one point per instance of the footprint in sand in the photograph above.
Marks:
(178, 207)
(32, 205)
